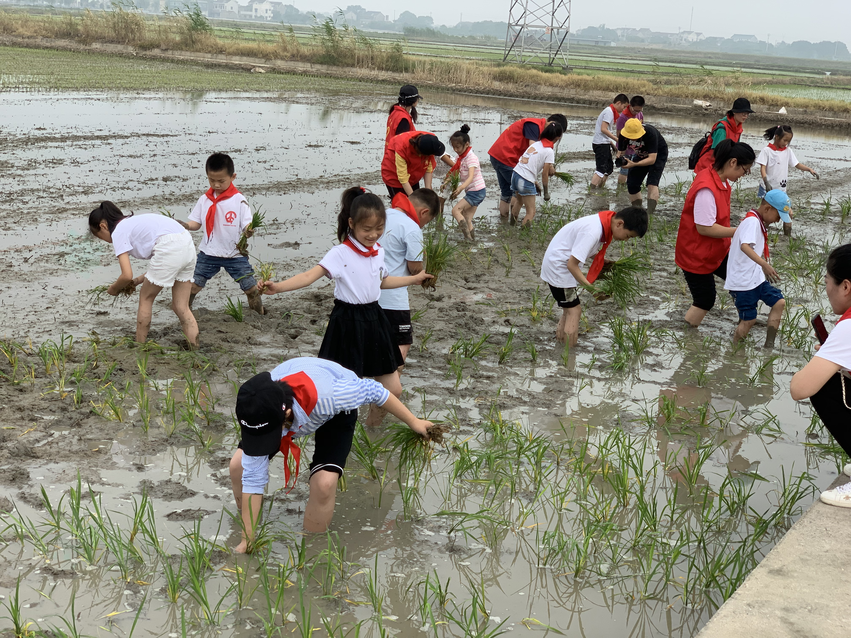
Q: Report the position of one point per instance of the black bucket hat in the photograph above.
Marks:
(430, 145)
(741, 105)
(408, 92)
(261, 411)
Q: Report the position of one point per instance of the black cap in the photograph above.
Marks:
(429, 145)
(261, 410)
(741, 105)
(408, 91)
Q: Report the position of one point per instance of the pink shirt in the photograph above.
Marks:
(471, 161)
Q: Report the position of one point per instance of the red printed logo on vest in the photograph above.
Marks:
(230, 216)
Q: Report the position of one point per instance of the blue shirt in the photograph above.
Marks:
(402, 242)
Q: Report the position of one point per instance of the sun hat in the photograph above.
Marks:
(261, 411)
(741, 105)
(430, 145)
(780, 200)
(633, 129)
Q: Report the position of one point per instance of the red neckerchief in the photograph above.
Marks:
(737, 128)
(845, 315)
(211, 212)
(457, 165)
(304, 391)
(774, 148)
(753, 213)
(370, 252)
(547, 143)
(629, 113)
(401, 202)
(615, 111)
(600, 258)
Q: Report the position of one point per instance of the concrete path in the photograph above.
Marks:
(802, 589)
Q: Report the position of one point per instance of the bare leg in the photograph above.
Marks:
(469, 213)
(147, 295)
(320, 504)
(787, 229)
(571, 324)
(695, 315)
(742, 330)
(516, 203)
(529, 203)
(635, 200)
(503, 208)
(192, 293)
(180, 305)
(394, 385)
(560, 329)
(250, 508)
(774, 317)
(621, 179)
(458, 213)
(255, 300)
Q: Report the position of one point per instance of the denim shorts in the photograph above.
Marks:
(474, 198)
(239, 268)
(522, 187)
(746, 300)
(503, 176)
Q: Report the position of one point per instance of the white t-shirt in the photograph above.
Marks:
(533, 160)
(837, 348)
(138, 234)
(605, 116)
(357, 278)
(777, 164)
(402, 242)
(582, 239)
(743, 273)
(232, 216)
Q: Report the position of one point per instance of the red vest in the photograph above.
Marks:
(396, 116)
(707, 159)
(696, 253)
(512, 144)
(417, 163)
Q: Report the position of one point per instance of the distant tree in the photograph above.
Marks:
(409, 19)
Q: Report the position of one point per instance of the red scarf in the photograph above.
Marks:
(211, 212)
(774, 148)
(457, 165)
(304, 391)
(370, 252)
(753, 213)
(606, 217)
(845, 315)
(401, 202)
(628, 112)
(615, 111)
(547, 143)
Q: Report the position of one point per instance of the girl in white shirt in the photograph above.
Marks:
(171, 251)
(358, 333)
(825, 379)
(472, 183)
(538, 158)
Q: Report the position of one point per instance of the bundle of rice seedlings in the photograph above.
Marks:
(98, 294)
(258, 221)
(167, 213)
(437, 255)
(265, 271)
(622, 281)
(567, 178)
(410, 446)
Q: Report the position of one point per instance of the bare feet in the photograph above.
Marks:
(242, 548)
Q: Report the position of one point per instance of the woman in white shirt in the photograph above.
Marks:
(538, 158)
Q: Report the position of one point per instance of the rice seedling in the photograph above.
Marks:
(366, 451)
(532, 350)
(143, 403)
(98, 294)
(844, 208)
(438, 255)
(470, 348)
(425, 338)
(451, 184)
(235, 310)
(566, 178)
(506, 349)
(173, 576)
(258, 221)
(265, 271)
(623, 281)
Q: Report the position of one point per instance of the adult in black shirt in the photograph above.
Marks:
(650, 154)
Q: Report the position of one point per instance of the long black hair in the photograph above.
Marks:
(406, 102)
(777, 131)
(552, 132)
(462, 134)
(739, 151)
(839, 264)
(357, 204)
(108, 212)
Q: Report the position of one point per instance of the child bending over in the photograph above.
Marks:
(472, 183)
(538, 158)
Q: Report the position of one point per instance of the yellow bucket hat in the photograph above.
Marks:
(633, 129)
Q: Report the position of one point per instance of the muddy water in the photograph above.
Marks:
(294, 153)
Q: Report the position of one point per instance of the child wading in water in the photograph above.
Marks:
(358, 333)
(749, 274)
(224, 214)
(568, 251)
(538, 158)
(172, 254)
(774, 162)
(470, 172)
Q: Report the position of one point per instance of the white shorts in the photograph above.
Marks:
(173, 260)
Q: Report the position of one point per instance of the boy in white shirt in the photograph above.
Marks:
(571, 247)
(605, 140)
(538, 158)
(225, 215)
(749, 271)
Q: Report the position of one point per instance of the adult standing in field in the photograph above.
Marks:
(730, 128)
(635, 109)
(650, 156)
(605, 140)
(409, 158)
(510, 146)
(403, 115)
(703, 239)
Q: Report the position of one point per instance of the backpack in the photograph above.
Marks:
(697, 151)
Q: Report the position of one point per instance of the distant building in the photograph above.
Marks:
(739, 37)
(687, 37)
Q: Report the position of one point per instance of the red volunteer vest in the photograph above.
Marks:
(416, 163)
(512, 144)
(707, 159)
(397, 115)
(694, 252)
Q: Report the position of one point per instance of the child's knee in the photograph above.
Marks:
(780, 305)
(323, 485)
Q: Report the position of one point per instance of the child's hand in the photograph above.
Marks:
(248, 232)
(457, 192)
(266, 287)
(770, 273)
(421, 276)
(814, 174)
(420, 426)
(138, 281)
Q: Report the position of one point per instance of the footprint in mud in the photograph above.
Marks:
(15, 477)
(167, 490)
(187, 515)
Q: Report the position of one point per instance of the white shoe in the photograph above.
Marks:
(847, 469)
(839, 497)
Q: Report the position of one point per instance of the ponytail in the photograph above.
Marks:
(839, 264)
(728, 150)
(777, 131)
(108, 212)
(463, 134)
(552, 132)
(405, 102)
(357, 204)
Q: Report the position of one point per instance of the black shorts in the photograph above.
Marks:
(395, 191)
(565, 297)
(653, 173)
(702, 287)
(605, 164)
(401, 330)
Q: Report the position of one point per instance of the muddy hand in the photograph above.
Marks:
(771, 274)
(420, 426)
(266, 287)
(420, 277)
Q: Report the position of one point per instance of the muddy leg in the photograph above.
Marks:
(695, 315)
(571, 325)
(394, 385)
(516, 203)
(742, 330)
(193, 293)
(774, 317)
(147, 295)
(787, 229)
(255, 300)
(469, 213)
(458, 213)
(504, 207)
(320, 504)
(180, 305)
(529, 203)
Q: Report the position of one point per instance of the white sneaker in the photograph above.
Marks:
(847, 469)
(839, 497)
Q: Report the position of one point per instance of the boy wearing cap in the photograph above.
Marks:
(749, 271)
(302, 396)
(649, 155)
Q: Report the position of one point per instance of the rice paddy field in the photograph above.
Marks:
(625, 487)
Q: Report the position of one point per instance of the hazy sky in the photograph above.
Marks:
(788, 20)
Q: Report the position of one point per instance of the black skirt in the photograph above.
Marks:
(832, 403)
(358, 338)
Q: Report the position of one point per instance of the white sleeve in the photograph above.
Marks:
(255, 474)
(244, 215)
(549, 156)
(762, 160)
(793, 160)
(705, 209)
(749, 231)
(585, 243)
(609, 117)
(837, 348)
(121, 240)
(198, 213)
(331, 263)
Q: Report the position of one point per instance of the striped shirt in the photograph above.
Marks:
(338, 390)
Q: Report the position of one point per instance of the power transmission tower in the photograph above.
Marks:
(537, 32)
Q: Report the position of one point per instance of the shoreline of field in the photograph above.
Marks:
(660, 102)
